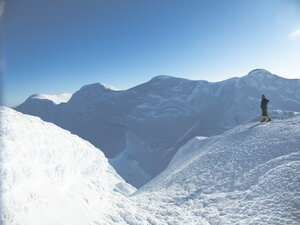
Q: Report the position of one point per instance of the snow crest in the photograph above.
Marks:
(56, 99)
(49, 176)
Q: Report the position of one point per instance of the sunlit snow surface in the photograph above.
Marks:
(248, 175)
(56, 99)
(51, 177)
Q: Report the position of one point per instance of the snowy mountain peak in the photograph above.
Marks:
(56, 99)
(259, 73)
(264, 79)
(91, 92)
(97, 87)
(163, 78)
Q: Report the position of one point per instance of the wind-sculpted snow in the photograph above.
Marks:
(248, 175)
(161, 115)
(49, 176)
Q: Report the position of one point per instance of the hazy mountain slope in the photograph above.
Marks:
(149, 122)
(248, 175)
(49, 176)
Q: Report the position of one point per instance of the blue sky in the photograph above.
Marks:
(56, 46)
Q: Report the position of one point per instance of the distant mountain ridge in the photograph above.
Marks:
(144, 126)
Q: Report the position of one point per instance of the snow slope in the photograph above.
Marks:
(248, 175)
(149, 122)
(49, 176)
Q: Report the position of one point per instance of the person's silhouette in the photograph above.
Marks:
(264, 109)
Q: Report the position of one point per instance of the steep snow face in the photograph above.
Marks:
(49, 176)
(248, 175)
(163, 114)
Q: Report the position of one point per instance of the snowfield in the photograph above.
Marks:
(150, 122)
(248, 175)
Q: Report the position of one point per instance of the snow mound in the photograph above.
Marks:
(248, 175)
(49, 176)
(56, 99)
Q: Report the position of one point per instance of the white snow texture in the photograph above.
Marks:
(56, 99)
(248, 175)
(49, 176)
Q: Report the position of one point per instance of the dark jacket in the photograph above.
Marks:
(264, 103)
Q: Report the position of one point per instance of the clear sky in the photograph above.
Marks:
(56, 46)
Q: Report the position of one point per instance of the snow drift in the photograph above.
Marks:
(49, 176)
(149, 122)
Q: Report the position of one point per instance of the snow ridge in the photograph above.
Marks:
(56, 99)
(248, 175)
(49, 176)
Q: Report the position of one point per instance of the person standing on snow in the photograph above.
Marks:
(264, 109)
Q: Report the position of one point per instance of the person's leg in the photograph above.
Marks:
(267, 116)
(264, 114)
